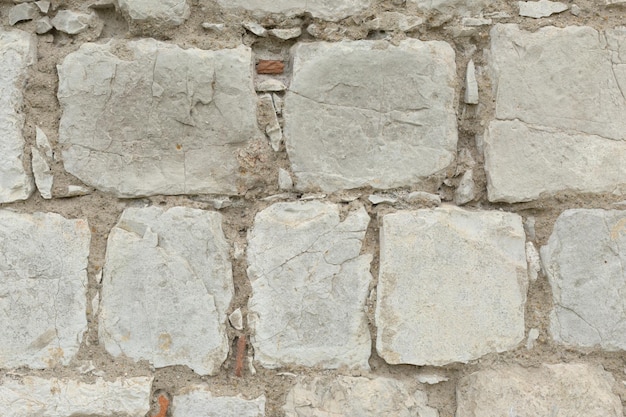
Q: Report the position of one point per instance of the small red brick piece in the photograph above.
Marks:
(164, 404)
(270, 67)
(241, 353)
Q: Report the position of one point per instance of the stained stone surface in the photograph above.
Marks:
(332, 10)
(352, 108)
(56, 397)
(172, 12)
(199, 401)
(452, 285)
(584, 260)
(166, 286)
(43, 276)
(309, 286)
(541, 8)
(157, 119)
(18, 51)
(549, 390)
(355, 396)
(560, 106)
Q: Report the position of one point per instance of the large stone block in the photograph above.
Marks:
(332, 10)
(349, 396)
(560, 105)
(55, 397)
(309, 286)
(452, 285)
(355, 115)
(172, 12)
(43, 276)
(567, 390)
(199, 401)
(584, 260)
(18, 51)
(167, 284)
(145, 117)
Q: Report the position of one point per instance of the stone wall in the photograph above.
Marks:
(312, 208)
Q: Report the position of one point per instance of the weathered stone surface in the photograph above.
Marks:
(43, 275)
(166, 287)
(332, 10)
(22, 12)
(550, 390)
(43, 25)
(353, 107)
(471, 86)
(541, 8)
(524, 162)
(456, 7)
(465, 192)
(349, 396)
(584, 260)
(42, 173)
(309, 286)
(72, 22)
(390, 21)
(54, 397)
(18, 51)
(165, 121)
(452, 285)
(171, 12)
(199, 401)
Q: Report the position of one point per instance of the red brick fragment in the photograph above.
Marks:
(270, 67)
(241, 353)
(164, 404)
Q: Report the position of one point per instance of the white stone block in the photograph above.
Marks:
(452, 7)
(170, 12)
(584, 260)
(452, 285)
(159, 119)
(166, 288)
(356, 116)
(43, 277)
(199, 401)
(332, 10)
(43, 175)
(309, 286)
(541, 8)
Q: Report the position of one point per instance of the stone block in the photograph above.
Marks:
(155, 118)
(43, 276)
(355, 116)
(61, 397)
(584, 260)
(309, 286)
(167, 284)
(199, 401)
(18, 51)
(452, 7)
(169, 12)
(452, 285)
(549, 390)
(332, 10)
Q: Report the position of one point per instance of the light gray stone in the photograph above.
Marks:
(199, 401)
(471, 86)
(218, 27)
(164, 121)
(236, 319)
(465, 192)
(309, 286)
(431, 379)
(533, 260)
(355, 396)
(41, 139)
(452, 285)
(270, 84)
(22, 12)
(61, 397)
(169, 12)
(284, 180)
(269, 121)
(43, 175)
(255, 28)
(584, 260)
(381, 199)
(575, 10)
(541, 8)
(475, 21)
(43, 6)
(18, 51)
(332, 10)
(43, 25)
(533, 335)
(166, 288)
(43, 276)
(549, 390)
(423, 198)
(390, 21)
(452, 7)
(285, 34)
(352, 107)
(72, 22)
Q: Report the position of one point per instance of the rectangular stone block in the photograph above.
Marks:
(199, 401)
(43, 276)
(18, 52)
(145, 117)
(62, 397)
(167, 283)
(452, 285)
(309, 286)
(584, 260)
(332, 10)
(168, 12)
(368, 113)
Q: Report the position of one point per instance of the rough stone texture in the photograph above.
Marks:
(584, 261)
(567, 390)
(332, 10)
(558, 92)
(167, 121)
(18, 51)
(21, 12)
(72, 22)
(349, 396)
(199, 401)
(471, 86)
(170, 12)
(43, 262)
(167, 284)
(347, 115)
(309, 285)
(54, 397)
(452, 285)
(42, 173)
(460, 7)
(541, 8)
